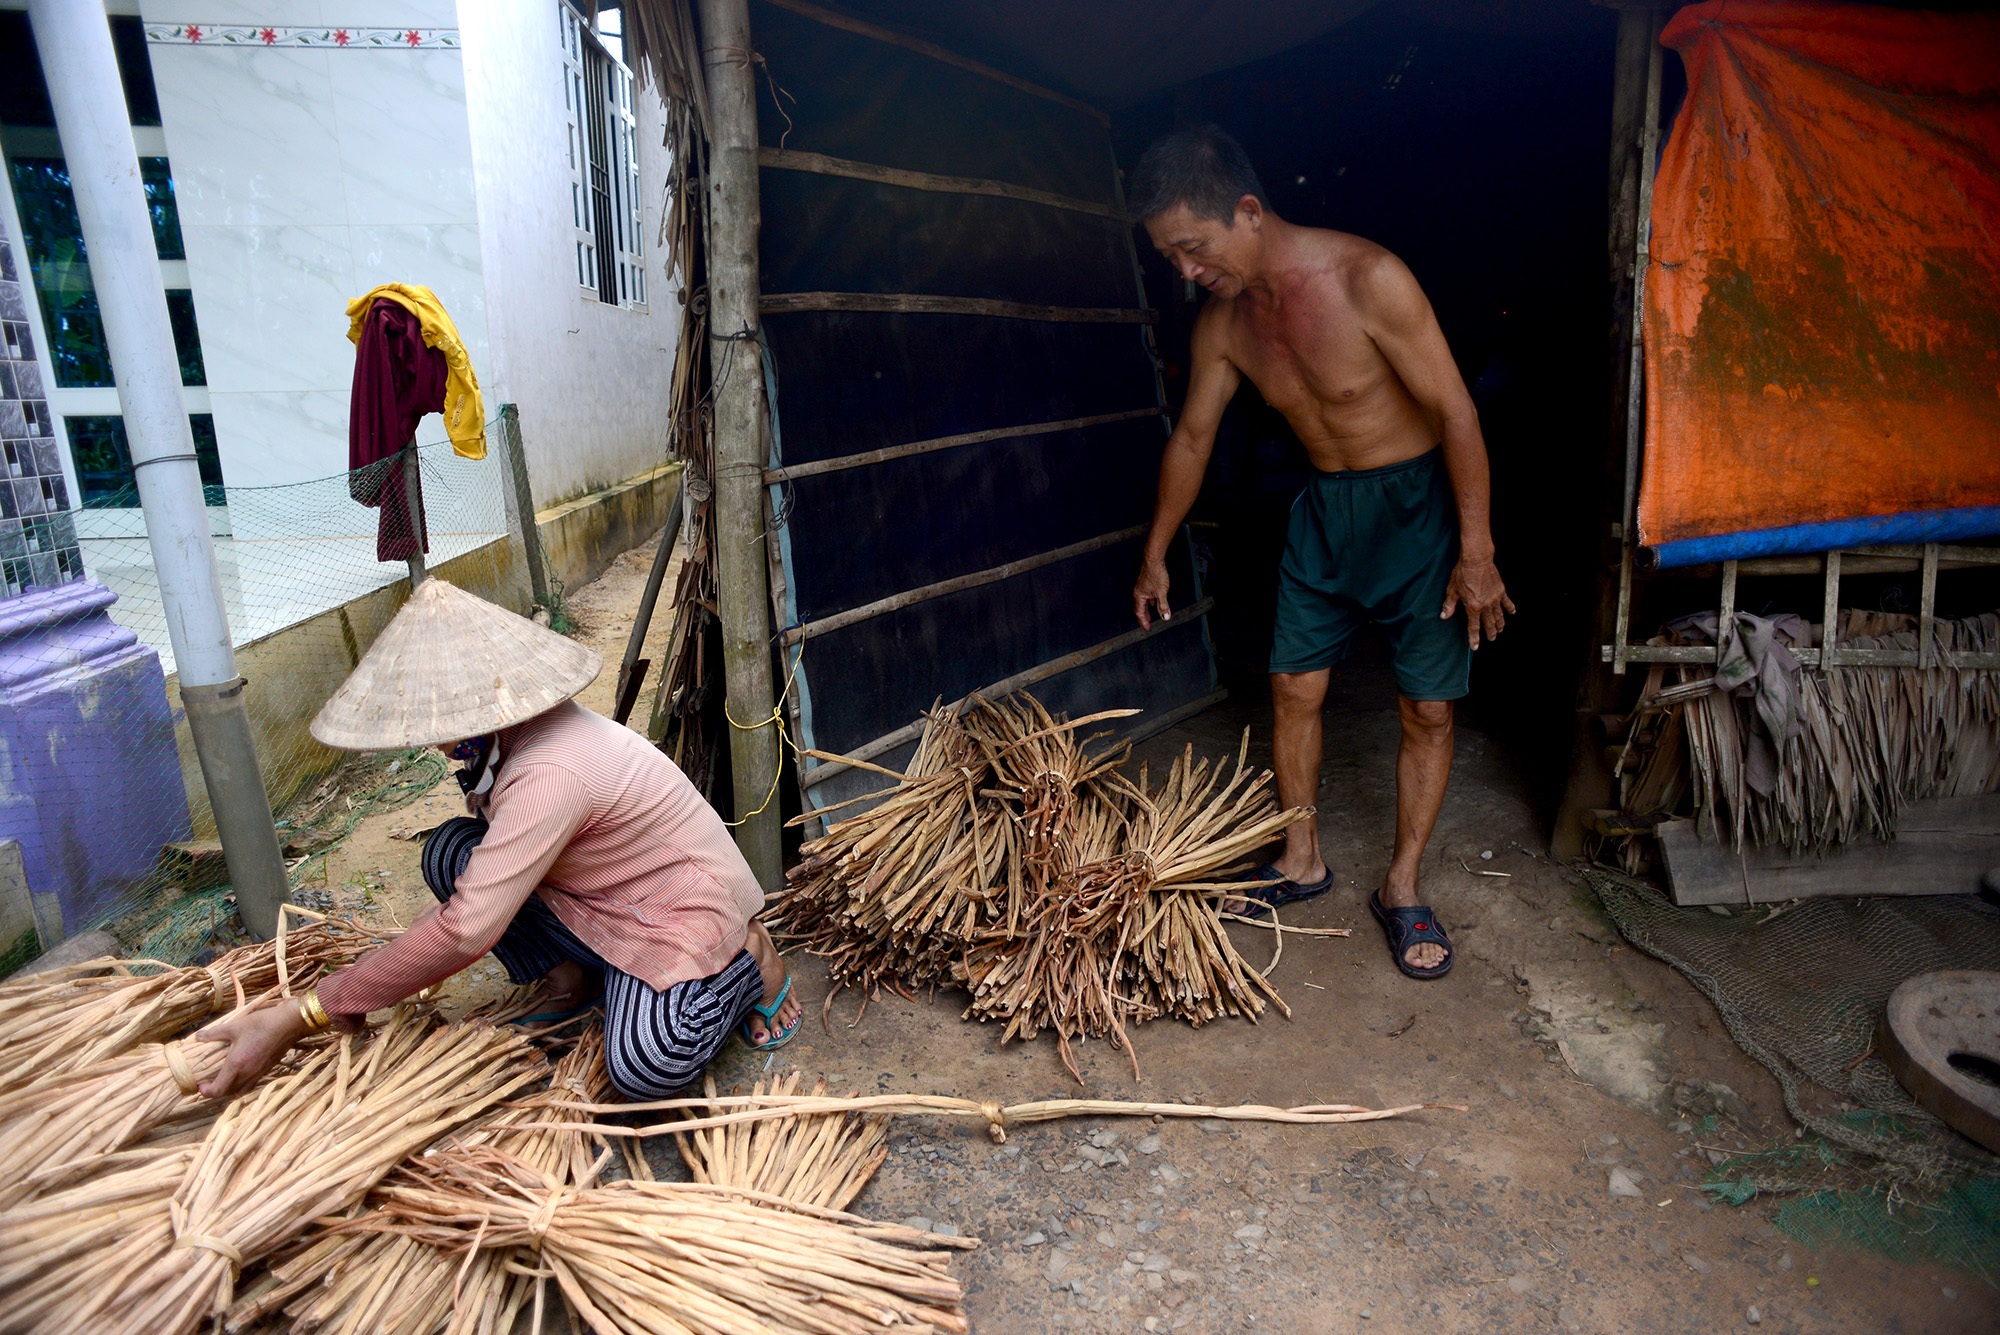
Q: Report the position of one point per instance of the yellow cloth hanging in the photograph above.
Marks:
(464, 410)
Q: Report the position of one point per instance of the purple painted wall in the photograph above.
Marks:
(90, 781)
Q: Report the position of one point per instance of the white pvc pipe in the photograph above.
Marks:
(81, 69)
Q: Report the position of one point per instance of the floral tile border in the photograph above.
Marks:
(229, 34)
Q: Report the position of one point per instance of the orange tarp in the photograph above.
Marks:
(1822, 323)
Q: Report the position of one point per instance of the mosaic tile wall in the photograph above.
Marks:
(37, 532)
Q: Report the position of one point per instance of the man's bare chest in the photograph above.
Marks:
(1305, 358)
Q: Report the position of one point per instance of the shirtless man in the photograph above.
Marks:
(1338, 336)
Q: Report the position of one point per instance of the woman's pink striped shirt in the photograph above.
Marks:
(614, 838)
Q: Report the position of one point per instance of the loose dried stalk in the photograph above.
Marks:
(820, 1159)
(687, 1257)
(737, 1109)
(1061, 894)
(304, 1146)
(71, 1018)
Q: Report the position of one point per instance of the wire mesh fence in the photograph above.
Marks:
(100, 792)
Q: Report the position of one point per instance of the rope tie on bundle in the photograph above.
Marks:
(177, 1066)
(202, 1242)
(996, 1122)
(223, 988)
(545, 1214)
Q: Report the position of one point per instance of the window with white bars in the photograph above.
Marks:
(605, 210)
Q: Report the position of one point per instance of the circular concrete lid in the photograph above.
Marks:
(1941, 1036)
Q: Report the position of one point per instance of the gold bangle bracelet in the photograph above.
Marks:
(313, 1013)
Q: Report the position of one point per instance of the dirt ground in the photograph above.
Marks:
(1574, 1055)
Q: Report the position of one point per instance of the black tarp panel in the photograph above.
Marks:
(848, 382)
(859, 382)
(836, 92)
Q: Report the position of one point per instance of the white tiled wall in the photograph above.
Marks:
(305, 177)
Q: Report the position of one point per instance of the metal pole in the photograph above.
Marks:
(737, 372)
(74, 40)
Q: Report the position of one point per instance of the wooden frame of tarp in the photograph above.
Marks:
(1635, 151)
(1927, 560)
(796, 634)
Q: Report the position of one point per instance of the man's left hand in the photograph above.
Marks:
(1477, 585)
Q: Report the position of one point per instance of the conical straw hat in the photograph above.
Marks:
(450, 666)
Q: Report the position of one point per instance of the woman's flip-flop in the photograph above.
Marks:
(555, 1017)
(1411, 926)
(779, 1037)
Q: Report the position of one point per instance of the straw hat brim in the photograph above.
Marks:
(449, 666)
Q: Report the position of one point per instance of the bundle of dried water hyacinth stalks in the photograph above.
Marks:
(154, 1247)
(822, 1159)
(348, 1282)
(1011, 861)
(70, 1018)
(637, 1256)
(62, 1126)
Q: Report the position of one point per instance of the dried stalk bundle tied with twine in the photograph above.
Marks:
(638, 1256)
(62, 1126)
(64, 1253)
(374, 1283)
(70, 1018)
(822, 1159)
(1062, 894)
(305, 1145)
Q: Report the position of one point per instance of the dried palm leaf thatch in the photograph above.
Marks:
(1012, 861)
(305, 1145)
(822, 1159)
(376, 1283)
(70, 1018)
(1873, 739)
(637, 1256)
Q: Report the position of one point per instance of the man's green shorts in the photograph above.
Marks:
(1375, 544)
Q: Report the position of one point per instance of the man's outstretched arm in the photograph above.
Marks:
(1406, 330)
(1211, 385)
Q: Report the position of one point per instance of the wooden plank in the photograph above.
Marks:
(820, 164)
(890, 37)
(1942, 847)
(1020, 681)
(915, 447)
(918, 303)
(1849, 658)
(897, 601)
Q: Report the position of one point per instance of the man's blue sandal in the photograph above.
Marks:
(1412, 926)
(779, 1037)
(1279, 890)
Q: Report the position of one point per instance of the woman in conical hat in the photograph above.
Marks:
(589, 861)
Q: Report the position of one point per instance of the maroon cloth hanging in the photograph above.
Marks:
(397, 380)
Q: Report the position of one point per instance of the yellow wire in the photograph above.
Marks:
(784, 739)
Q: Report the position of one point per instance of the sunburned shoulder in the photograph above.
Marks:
(1368, 274)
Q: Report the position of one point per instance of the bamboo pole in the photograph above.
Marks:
(923, 303)
(819, 164)
(815, 467)
(738, 377)
(826, 625)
